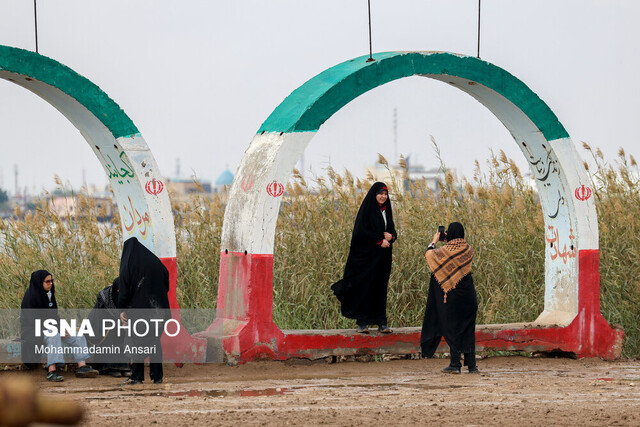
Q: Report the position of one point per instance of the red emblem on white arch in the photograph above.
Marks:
(247, 182)
(275, 189)
(154, 187)
(583, 193)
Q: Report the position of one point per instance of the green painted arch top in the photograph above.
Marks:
(53, 73)
(310, 105)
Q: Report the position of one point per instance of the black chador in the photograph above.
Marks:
(144, 280)
(37, 304)
(363, 289)
(144, 284)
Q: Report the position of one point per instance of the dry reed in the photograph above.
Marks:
(502, 216)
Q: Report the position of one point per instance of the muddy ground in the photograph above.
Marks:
(509, 390)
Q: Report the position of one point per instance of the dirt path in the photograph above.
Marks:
(401, 392)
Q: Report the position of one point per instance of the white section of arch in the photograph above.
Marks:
(252, 212)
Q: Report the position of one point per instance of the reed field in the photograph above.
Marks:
(500, 211)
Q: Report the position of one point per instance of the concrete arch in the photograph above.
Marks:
(571, 254)
(143, 201)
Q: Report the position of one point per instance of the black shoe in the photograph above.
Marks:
(362, 329)
(474, 370)
(384, 329)
(451, 370)
(131, 381)
(54, 377)
(86, 371)
(158, 381)
(112, 373)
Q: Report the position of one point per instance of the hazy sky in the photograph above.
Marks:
(198, 78)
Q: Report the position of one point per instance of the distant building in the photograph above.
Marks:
(432, 177)
(181, 189)
(68, 205)
(104, 203)
(396, 175)
(224, 180)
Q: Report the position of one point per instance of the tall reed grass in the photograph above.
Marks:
(503, 222)
(617, 191)
(81, 253)
(501, 214)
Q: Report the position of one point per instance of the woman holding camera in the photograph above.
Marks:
(452, 303)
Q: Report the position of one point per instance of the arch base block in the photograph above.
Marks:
(603, 341)
(256, 336)
(183, 348)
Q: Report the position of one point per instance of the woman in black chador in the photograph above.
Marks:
(144, 288)
(39, 305)
(363, 288)
(452, 303)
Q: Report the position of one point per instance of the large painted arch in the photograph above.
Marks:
(143, 202)
(571, 320)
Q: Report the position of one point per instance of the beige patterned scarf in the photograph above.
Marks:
(450, 263)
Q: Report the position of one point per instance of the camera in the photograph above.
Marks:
(441, 231)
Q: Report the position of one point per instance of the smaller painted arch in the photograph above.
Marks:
(251, 213)
(138, 185)
(112, 136)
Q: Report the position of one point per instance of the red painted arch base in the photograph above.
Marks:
(245, 329)
(588, 335)
(183, 348)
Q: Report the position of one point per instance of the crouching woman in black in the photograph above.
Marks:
(452, 303)
(106, 310)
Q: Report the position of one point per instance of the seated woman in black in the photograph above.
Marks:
(39, 304)
(452, 303)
